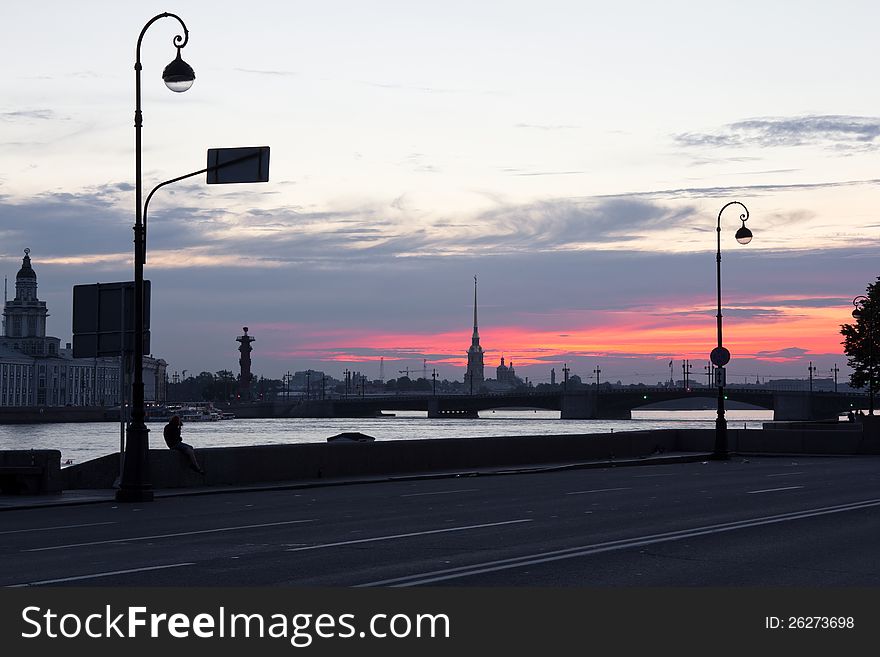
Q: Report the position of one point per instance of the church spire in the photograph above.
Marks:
(476, 331)
(474, 376)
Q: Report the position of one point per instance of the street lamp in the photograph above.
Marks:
(861, 311)
(720, 356)
(135, 481)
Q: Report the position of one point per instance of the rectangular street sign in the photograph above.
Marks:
(103, 319)
(238, 165)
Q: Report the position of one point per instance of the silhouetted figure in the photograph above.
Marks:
(174, 441)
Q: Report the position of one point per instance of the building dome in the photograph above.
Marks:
(26, 270)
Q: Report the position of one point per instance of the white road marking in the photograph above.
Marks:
(47, 529)
(155, 536)
(622, 544)
(772, 490)
(598, 490)
(785, 474)
(94, 575)
(407, 535)
(443, 492)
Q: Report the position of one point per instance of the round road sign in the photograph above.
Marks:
(719, 357)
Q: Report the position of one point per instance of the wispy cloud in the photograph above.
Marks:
(520, 172)
(735, 190)
(809, 302)
(419, 163)
(253, 71)
(782, 355)
(32, 115)
(838, 132)
(568, 223)
(546, 127)
(201, 223)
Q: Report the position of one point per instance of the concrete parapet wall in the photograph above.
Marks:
(268, 463)
(308, 461)
(804, 441)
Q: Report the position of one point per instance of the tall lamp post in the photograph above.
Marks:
(135, 483)
(720, 356)
(861, 311)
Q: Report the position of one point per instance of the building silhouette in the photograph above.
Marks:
(473, 378)
(245, 376)
(36, 371)
(506, 375)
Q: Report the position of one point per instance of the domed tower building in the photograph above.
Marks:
(25, 316)
(36, 371)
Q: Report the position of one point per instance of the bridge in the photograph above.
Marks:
(608, 403)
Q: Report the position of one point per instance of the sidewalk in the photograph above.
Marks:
(71, 497)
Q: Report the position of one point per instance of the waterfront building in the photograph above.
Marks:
(474, 377)
(36, 371)
(306, 378)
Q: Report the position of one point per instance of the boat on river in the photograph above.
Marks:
(190, 412)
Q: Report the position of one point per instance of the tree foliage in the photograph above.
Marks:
(861, 341)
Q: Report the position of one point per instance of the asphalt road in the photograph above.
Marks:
(768, 521)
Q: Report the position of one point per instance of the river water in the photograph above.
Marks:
(80, 442)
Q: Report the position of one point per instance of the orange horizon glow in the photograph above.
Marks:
(657, 334)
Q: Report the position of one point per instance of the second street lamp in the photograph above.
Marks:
(720, 356)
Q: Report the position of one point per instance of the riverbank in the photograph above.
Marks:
(82, 442)
(227, 466)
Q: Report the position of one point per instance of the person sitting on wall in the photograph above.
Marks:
(174, 441)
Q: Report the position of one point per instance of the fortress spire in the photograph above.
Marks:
(476, 337)
(473, 378)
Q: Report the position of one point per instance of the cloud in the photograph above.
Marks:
(417, 162)
(88, 222)
(782, 355)
(520, 172)
(205, 232)
(32, 115)
(563, 223)
(534, 126)
(825, 302)
(839, 132)
(394, 86)
(253, 71)
(350, 304)
(559, 267)
(739, 190)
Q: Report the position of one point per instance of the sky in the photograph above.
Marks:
(574, 156)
